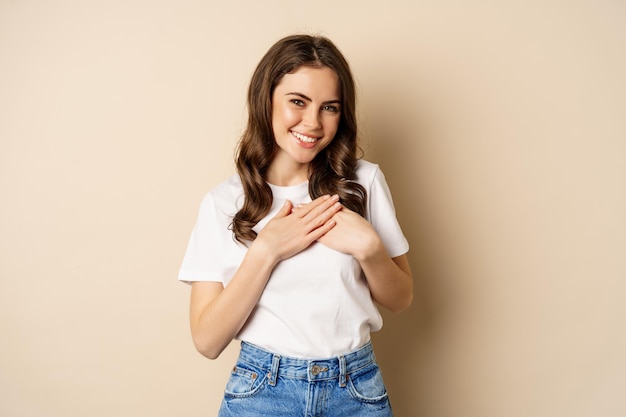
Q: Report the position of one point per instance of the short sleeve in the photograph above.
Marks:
(382, 215)
(203, 254)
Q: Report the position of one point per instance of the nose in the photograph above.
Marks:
(311, 118)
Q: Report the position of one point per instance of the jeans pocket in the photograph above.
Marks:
(367, 385)
(244, 381)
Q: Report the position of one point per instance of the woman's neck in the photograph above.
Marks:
(287, 176)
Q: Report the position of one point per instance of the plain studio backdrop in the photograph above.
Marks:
(501, 128)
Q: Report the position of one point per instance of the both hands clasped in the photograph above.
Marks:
(325, 219)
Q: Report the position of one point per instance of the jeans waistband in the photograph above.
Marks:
(307, 369)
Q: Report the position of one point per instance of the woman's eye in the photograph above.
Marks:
(332, 109)
(297, 102)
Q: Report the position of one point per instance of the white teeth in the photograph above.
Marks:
(303, 138)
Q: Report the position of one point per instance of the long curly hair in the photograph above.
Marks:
(333, 170)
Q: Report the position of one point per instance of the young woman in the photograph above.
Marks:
(291, 255)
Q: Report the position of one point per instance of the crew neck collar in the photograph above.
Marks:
(289, 190)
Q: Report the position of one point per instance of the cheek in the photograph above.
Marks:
(285, 117)
(331, 125)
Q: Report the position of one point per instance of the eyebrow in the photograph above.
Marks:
(334, 101)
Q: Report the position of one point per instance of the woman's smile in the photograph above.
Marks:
(304, 138)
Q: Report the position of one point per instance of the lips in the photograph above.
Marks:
(304, 138)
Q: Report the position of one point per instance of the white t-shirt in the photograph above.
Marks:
(317, 303)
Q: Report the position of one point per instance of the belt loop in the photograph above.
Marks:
(274, 370)
(342, 371)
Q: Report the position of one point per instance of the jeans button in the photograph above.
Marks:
(316, 370)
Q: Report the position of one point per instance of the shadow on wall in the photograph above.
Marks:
(397, 139)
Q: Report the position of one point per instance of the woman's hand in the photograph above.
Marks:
(352, 235)
(293, 230)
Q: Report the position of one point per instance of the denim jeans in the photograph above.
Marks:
(266, 384)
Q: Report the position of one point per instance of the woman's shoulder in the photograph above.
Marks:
(366, 171)
(226, 194)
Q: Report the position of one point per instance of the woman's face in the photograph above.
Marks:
(306, 109)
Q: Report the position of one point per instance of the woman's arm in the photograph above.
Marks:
(217, 313)
(389, 279)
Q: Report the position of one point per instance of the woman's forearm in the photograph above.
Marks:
(217, 313)
(389, 279)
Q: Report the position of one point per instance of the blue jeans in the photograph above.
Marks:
(266, 384)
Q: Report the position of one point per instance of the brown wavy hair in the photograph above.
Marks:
(333, 171)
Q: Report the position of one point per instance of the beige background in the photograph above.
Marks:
(501, 129)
